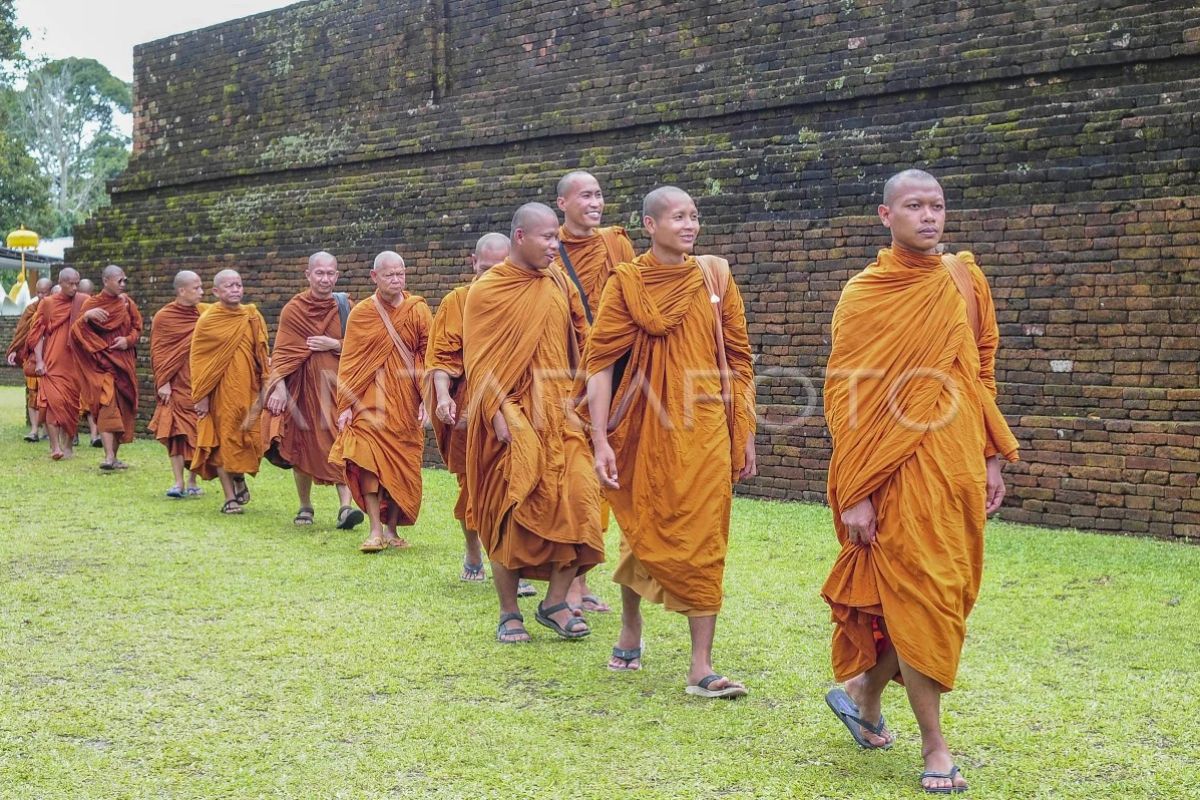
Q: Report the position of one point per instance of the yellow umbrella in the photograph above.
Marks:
(24, 240)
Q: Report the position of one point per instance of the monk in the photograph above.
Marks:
(105, 336)
(674, 433)
(918, 444)
(533, 496)
(381, 417)
(19, 352)
(302, 390)
(86, 290)
(589, 254)
(174, 420)
(446, 390)
(229, 364)
(54, 363)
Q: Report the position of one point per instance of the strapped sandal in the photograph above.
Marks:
(526, 589)
(844, 707)
(32, 437)
(348, 517)
(725, 693)
(231, 507)
(502, 631)
(193, 491)
(950, 776)
(472, 573)
(576, 627)
(597, 606)
(628, 656)
(104, 466)
(241, 492)
(175, 492)
(304, 516)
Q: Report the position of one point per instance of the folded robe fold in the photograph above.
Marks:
(174, 421)
(445, 353)
(534, 501)
(229, 364)
(910, 404)
(302, 436)
(672, 439)
(385, 437)
(108, 378)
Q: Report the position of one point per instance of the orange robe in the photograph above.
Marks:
(445, 352)
(676, 449)
(58, 388)
(384, 438)
(594, 259)
(22, 353)
(229, 364)
(302, 436)
(174, 422)
(910, 401)
(108, 379)
(536, 500)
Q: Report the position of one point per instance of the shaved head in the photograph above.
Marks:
(86, 286)
(388, 258)
(189, 289)
(225, 276)
(113, 280)
(661, 199)
(534, 236)
(530, 215)
(322, 258)
(892, 188)
(490, 250)
(68, 274)
(567, 182)
(42, 287)
(227, 286)
(185, 277)
(388, 275)
(111, 271)
(322, 274)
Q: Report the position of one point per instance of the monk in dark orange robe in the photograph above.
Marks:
(381, 416)
(86, 290)
(174, 420)
(918, 444)
(588, 254)
(677, 432)
(446, 390)
(533, 496)
(229, 363)
(302, 390)
(54, 363)
(105, 340)
(19, 352)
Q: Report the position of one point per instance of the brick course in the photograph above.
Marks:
(1065, 136)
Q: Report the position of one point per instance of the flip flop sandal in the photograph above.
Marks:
(847, 711)
(950, 776)
(526, 589)
(502, 631)
(628, 656)
(175, 492)
(472, 573)
(56, 456)
(399, 543)
(348, 517)
(120, 465)
(32, 437)
(231, 507)
(373, 545)
(304, 516)
(576, 628)
(726, 693)
(194, 491)
(104, 466)
(97, 443)
(599, 606)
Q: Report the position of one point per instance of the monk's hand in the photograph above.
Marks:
(164, 392)
(345, 418)
(119, 343)
(995, 484)
(751, 468)
(446, 410)
(277, 401)
(606, 464)
(12, 359)
(321, 344)
(500, 427)
(422, 414)
(39, 368)
(860, 520)
(96, 315)
(202, 407)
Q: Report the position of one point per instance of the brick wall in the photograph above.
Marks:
(1065, 135)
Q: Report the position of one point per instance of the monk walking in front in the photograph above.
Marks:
(588, 254)
(446, 390)
(918, 444)
(106, 335)
(533, 496)
(381, 416)
(674, 432)
(20, 354)
(302, 389)
(54, 363)
(229, 364)
(174, 420)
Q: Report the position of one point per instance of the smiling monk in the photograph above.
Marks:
(918, 444)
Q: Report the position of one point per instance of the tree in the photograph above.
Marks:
(12, 36)
(65, 121)
(24, 193)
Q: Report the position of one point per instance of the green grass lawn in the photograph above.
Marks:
(153, 648)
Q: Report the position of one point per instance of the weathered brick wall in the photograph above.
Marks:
(1065, 134)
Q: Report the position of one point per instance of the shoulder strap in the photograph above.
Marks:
(566, 259)
(406, 355)
(343, 303)
(715, 271)
(961, 275)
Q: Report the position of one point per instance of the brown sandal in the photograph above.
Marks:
(374, 544)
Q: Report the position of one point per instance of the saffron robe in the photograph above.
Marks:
(174, 422)
(910, 401)
(108, 379)
(58, 388)
(594, 259)
(445, 352)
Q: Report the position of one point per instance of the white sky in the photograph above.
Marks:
(107, 30)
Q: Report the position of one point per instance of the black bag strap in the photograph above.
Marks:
(343, 303)
(566, 259)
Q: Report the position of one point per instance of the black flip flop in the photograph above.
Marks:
(950, 776)
(847, 711)
(348, 517)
